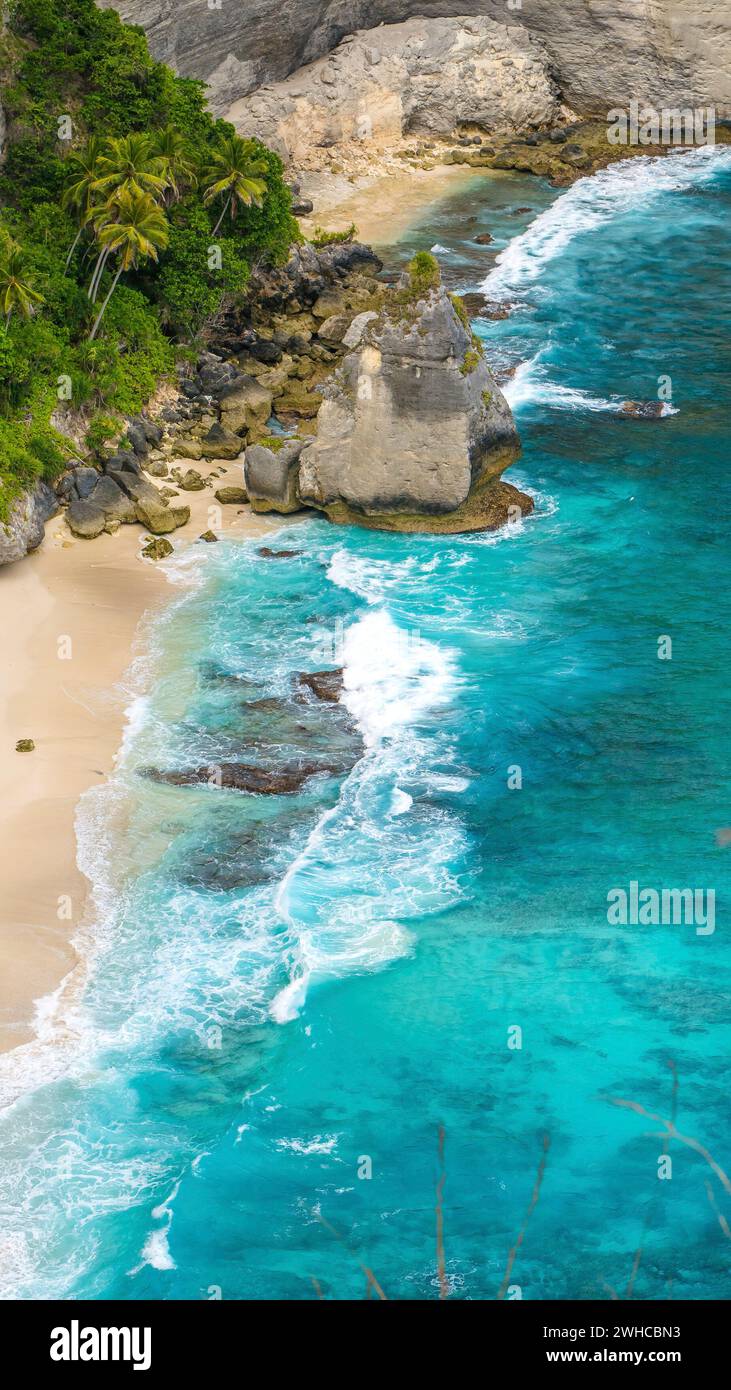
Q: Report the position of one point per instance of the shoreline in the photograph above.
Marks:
(84, 606)
(99, 595)
(385, 205)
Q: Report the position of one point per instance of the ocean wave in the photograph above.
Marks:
(369, 865)
(530, 385)
(594, 202)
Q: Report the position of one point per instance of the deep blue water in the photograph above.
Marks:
(289, 993)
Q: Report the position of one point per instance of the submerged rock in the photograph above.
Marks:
(326, 685)
(269, 554)
(242, 777)
(643, 410)
(414, 432)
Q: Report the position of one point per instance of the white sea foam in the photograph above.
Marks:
(530, 385)
(392, 677)
(318, 1144)
(591, 203)
(361, 871)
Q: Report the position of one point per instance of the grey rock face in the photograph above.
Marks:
(414, 430)
(430, 76)
(271, 477)
(25, 527)
(603, 53)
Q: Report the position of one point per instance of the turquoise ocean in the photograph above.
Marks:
(300, 1017)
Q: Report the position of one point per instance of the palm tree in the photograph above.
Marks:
(129, 164)
(137, 231)
(234, 173)
(171, 147)
(78, 195)
(16, 292)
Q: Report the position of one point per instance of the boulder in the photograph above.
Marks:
(157, 468)
(271, 472)
(231, 495)
(158, 517)
(643, 410)
(268, 554)
(208, 536)
(333, 329)
(354, 333)
(25, 745)
(135, 433)
(86, 519)
(414, 432)
(192, 481)
(86, 480)
(221, 443)
(246, 408)
(187, 448)
(116, 504)
(325, 685)
(484, 239)
(159, 549)
(123, 462)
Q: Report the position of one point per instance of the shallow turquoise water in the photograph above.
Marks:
(292, 991)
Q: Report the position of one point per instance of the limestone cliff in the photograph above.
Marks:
(604, 52)
(382, 83)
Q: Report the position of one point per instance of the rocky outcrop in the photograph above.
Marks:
(425, 77)
(414, 432)
(271, 473)
(25, 527)
(602, 53)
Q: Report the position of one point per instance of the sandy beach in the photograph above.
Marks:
(70, 613)
(383, 206)
(87, 598)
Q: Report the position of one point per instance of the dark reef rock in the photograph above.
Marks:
(326, 685)
(242, 777)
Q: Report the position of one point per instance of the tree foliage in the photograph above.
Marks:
(92, 117)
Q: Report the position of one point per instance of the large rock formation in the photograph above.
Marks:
(414, 433)
(604, 52)
(407, 77)
(25, 527)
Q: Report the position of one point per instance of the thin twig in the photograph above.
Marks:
(370, 1276)
(531, 1207)
(673, 1133)
(723, 1223)
(441, 1261)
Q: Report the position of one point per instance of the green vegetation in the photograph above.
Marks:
(322, 238)
(424, 272)
(470, 362)
(460, 310)
(129, 217)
